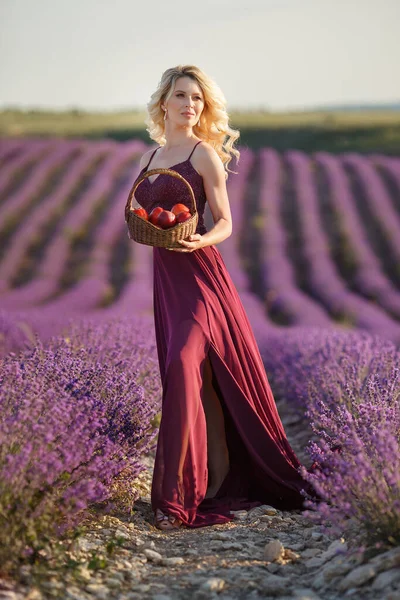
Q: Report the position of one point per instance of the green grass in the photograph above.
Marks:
(361, 131)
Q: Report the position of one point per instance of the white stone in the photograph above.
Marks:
(336, 568)
(142, 588)
(232, 546)
(304, 594)
(139, 542)
(274, 584)
(114, 582)
(316, 561)
(152, 555)
(241, 515)
(214, 584)
(266, 518)
(86, 545)
(273, 550)
(357, 577)
(386, 578)
(191, 552)
(319, 581)
(335, 548)
(215, 544)
(269, 510)
(173, 561)
(73, 593)
(85, 573)
(264, 509)
(122, 534)
(98, 590)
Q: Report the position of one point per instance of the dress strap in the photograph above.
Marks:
(194, 148)
(151, 157)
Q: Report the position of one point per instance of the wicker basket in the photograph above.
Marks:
(144, 232)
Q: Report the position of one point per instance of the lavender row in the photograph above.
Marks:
(379, 203)
(391, 166)
(136, 298)
(95, 286)
(17, 205)
(46, 211)
(254, 307)
(368, 275)
(11, 147)
(56, 255)
(323, 277)
(31, 152)
(283, 295)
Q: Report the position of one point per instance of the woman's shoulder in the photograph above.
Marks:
(208, 158)
(205, 149)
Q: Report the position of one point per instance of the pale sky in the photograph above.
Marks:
(275, 54)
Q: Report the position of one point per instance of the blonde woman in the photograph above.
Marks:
(221, 444)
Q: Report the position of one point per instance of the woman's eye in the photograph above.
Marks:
(197, 97)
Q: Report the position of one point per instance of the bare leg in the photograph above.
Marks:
(218, 455)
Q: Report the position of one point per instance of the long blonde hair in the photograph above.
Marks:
(214, 121)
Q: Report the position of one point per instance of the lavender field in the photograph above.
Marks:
(315, 256)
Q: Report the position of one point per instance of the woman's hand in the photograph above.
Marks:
(193, 242)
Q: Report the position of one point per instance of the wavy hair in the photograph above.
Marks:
(214, 121)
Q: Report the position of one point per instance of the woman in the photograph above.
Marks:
(221, 444)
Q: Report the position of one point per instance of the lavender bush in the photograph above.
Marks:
(360, 484)
(74, 423)
(348, 385)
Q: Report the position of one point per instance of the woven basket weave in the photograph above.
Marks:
(144, 232)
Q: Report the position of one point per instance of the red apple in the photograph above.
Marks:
(141, 212)
(166, 219)
(183, 216)
(153, 217)
(177, 208)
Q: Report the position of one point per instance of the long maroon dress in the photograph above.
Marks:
(198, 312)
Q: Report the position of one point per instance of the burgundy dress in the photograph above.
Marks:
(198, 312)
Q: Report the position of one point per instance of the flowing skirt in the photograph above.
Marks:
(198, 314)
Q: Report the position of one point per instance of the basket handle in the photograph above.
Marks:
(128, 207)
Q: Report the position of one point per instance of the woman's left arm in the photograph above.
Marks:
(210, 167)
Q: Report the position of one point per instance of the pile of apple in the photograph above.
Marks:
(165, 218)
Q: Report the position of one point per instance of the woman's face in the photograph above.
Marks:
(186, 103)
